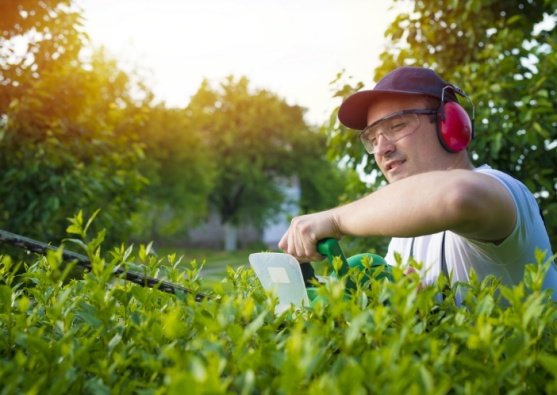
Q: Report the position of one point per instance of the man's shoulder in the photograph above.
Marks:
(503, 177)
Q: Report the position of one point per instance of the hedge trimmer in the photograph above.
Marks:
(295, 283)
(280, 273)
(85, 263)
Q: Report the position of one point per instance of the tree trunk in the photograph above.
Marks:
(230, 237)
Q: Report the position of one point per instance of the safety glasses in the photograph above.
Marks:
(392, 127)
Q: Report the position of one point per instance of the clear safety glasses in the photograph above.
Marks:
(393, 127)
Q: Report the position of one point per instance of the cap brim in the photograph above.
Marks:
(353, 111)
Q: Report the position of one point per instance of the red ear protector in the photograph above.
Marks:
(454, 127)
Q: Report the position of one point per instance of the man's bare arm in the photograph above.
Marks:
(471, 204)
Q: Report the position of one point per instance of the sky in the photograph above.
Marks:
(293, 48)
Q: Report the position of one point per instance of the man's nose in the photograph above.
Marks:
(383, 146)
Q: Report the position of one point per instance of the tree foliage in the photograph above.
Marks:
(322, 183)
(258, 140)
(180, 171)
(68, 143)
(67, 128)
(504, 55)
(81, 134)
(37, 36)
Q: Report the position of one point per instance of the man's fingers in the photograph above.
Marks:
(300, 240)
(283, 243)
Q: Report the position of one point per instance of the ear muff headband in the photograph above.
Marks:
(454, 127)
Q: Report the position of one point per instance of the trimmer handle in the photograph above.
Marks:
(330, 248)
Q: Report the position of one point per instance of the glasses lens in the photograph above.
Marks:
(392, 128)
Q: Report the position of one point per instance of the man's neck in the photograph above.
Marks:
(461, 161)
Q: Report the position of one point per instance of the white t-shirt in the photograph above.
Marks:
(506, 260)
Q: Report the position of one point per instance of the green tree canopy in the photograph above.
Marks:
(67, 144)
(67, 128)
(180, 171)
(258, 139)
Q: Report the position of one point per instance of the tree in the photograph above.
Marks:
(67, 128)
(256, 139)
(180, 171)
(323, 183)
(502, 54)
(68, 144)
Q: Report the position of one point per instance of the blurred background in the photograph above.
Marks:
(205, 126)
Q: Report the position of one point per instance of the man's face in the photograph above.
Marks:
(417, 152)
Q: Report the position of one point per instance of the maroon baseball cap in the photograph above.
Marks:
(403, 80)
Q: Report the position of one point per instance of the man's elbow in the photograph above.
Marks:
(480, 209)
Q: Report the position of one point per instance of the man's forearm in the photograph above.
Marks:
(422, 204)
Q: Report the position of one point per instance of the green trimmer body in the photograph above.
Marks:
(282, 275)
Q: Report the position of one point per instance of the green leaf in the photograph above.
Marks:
(76, 224)
(549, 362)
(90, 221)
(5, 298)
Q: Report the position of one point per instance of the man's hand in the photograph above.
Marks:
(300, 240)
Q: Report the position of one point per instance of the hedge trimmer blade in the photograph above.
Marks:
(280, 274)
(84, 262)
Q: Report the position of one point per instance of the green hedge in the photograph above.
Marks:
(62, 333)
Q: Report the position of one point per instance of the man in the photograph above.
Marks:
(437, 207)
